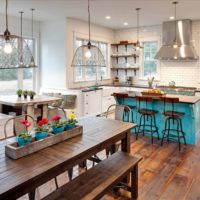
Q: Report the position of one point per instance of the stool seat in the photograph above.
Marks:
(173, 114)
(147, 111)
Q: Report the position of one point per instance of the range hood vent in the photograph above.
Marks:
(185, 50)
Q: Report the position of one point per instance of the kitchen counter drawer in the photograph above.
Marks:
(106, 102)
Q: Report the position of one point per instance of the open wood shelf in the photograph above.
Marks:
(119, 44)
(125, 56)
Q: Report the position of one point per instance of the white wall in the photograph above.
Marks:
(183, 73)
(77, 28)
(53, 54)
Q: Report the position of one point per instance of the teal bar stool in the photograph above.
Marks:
(173, 122)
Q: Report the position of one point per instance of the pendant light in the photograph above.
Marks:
(175, 43)
(32, 62)
(14, 51)
(138, 46)
(88, 55)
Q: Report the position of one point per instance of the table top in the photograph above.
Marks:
(33, 170)
(182, 98)
(13, 100)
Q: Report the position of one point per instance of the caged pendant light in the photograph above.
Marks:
(88, 55)
(138, 46)
(14, 51)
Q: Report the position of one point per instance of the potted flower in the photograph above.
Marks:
(42, 128)
(19, 93)
(71, 122)
(25, 93)
(31, 94)
(25, 137)
(57, 125)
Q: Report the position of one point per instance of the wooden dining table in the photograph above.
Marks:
(18, 177)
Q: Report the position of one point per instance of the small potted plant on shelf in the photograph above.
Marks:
(57, 125)
(42, 128)
(31, 94)
(25, 137)
(25, 93)
(71, 122)
(19, 93)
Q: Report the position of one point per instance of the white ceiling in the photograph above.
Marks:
(153, 11)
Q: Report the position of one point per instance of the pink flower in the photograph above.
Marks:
(40, 123)
(56, 118)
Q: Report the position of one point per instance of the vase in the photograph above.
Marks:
(24, 141)
(69, 126)
(19, 95)
(58, 129)
(25, 96)
(41, 135)
(31, 97)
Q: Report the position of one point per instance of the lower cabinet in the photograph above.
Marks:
(107, 102)
(92, 102)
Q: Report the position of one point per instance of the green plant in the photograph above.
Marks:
(25, 92)
(25, 135)
(31, 93)
(42, 125)
(19, 92)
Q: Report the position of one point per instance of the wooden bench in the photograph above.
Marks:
(95, 182)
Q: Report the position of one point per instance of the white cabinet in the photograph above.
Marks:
(92, 102)
(106, 102)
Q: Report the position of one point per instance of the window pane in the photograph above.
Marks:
(8, 81)
(150, 64)
(28, 79)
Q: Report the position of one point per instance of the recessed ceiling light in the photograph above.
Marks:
(171, 17)
(125, 23)
(108, 17)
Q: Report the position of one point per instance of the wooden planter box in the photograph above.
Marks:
(14, 151)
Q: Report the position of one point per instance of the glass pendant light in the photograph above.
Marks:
(14, 51)
(138, 46)
(175, 43)
(88, 55)
(32, 62)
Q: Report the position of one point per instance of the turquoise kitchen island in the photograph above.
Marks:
(190, 105)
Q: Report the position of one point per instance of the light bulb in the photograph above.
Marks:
(137, 48)
(88, 54)
(175, 46)
(8, 48)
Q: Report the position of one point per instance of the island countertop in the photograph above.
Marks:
(182, 98)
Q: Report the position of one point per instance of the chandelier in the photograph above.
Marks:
(14, 51)
(88, 55)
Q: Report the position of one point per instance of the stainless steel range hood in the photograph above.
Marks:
(185, 50)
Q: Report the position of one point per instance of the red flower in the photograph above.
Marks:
(45, 121)
(40, 123)
(56, 118)
(26, 123)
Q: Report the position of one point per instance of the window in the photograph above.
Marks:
(13, 79)
(149, 63)
(90, 73)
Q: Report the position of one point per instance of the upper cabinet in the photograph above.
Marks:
(124, 56)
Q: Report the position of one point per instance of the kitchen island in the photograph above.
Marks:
(190, 105)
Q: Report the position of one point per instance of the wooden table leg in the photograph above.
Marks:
(126, 142)
(30, 111)
(134, 182)
(31, 195)
(45, 111)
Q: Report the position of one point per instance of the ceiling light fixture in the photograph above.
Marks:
(175, 43)
(108, 17)
(14, 51)
(88, 55)
(125, 23)
(138, 46)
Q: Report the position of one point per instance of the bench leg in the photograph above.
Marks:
(134, 182)
(31, 195)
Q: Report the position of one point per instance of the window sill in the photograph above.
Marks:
(89, 81)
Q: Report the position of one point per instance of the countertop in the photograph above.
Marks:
(182, 98)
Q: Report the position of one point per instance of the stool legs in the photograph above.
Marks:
(152, 128)
(178, 130)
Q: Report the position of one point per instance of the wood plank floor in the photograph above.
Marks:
(164, 174)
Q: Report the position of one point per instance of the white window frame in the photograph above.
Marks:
(151, 39)
(77, 37)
